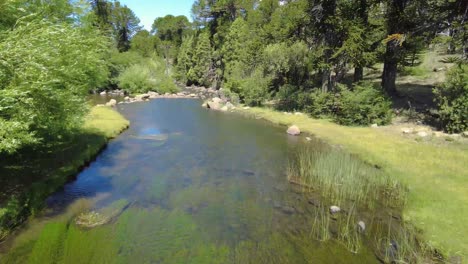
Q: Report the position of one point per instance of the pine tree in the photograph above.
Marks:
(202, 58)
(184, 59)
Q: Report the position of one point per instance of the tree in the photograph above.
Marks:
(201, 73)
(125, 25)
(143, 43)
(184, 59)
(46, 71)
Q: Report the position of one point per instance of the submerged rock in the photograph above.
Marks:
(97, 218)
(334, 209)
(294, 130)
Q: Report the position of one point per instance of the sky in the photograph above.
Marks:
(148, 10)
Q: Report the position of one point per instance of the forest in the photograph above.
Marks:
(354, 65)
(315, 56)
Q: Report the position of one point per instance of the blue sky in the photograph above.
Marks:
(148, 10)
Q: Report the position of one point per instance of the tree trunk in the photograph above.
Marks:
(390, 71)
(326, 81)
(358, 73)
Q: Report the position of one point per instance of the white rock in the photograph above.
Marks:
(112, 103)
(407, 130)
(465, 134)
(193, 95)
(293, 130)
(298, 113)
(224, 108)
(423, 134)
(308, 139)
(334, 209)
(361, 226)
(246, 108)
(216, 100)
(205, 105)
(374, 126)
(103, 93)
(127, 98)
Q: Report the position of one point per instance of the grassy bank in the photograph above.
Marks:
(436, 176)
(28, 178)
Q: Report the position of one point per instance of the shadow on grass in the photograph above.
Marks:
(34, 173)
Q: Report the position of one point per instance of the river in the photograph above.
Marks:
(194, 186)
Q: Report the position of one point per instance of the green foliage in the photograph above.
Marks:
(184, 59)
(364, 105)
(148, 75)
(45, 71)
(200, 72)
(143, 43)
(452, 100)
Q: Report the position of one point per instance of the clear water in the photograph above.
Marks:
(200, 187)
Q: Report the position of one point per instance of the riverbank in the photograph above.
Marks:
(435, 174)
(34, 176)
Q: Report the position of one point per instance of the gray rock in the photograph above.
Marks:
(361, 226)
(112, 103)
(294, 130)
(423, 134)
(406, 130)
(288, 209)
(334, 209)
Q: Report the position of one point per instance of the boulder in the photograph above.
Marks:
(294, 131)
(374, 126)
(361, 226)
(103, 93)
(142, 97)
(246, 108)
(205, 105)
(308, 138)
(229, 105)
(334, 209)
(423, 134)
(407, 130)
(192, 95)
(214, 105)
(465, 134)
(126, 99)
(224, 108)
(216, 100)
(112, 103)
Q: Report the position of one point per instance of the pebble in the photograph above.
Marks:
(334, 209)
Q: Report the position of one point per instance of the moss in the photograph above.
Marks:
(436, 176)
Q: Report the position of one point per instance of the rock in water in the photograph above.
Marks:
(334, 209)
(103, 93)
(294, 131)
(112, 103)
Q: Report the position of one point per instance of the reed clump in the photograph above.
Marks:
(339, 177)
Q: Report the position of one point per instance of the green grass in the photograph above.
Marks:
(340, 177)
(37, 174)
(436, 176)
(106, 121)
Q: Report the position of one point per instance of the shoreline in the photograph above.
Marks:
(434, 204)
(101, 126)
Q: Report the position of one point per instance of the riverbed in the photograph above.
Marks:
(197, 186)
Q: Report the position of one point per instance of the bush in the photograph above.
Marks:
(364, 105)
(148, 75)
(254, 90)
(452, 100)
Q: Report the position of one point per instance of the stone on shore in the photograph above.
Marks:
(294, 130)
(112, 103)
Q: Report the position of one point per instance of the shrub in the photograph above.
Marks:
(452, 100)
(364, 105)
(254, 89)
(148, 75)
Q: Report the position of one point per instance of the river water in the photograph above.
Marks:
(194, 186)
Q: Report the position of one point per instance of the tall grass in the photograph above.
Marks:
(340, 178)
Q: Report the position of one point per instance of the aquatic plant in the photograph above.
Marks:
(340, 177)
(96, 218)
